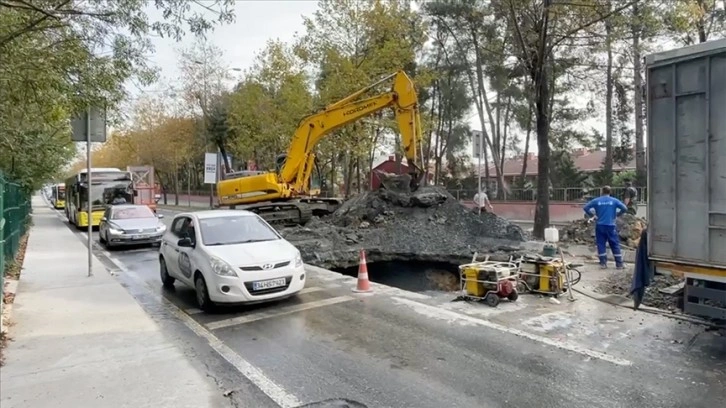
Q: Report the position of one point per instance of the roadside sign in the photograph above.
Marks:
(80, 124)
(210, 168)
(476, 141)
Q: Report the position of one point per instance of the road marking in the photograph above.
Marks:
(278, 394)
(437, 312)
(310, 290)
(192, 311)
(253, 317)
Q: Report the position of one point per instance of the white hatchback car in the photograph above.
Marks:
(229, 256)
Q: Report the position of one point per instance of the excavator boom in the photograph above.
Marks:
(291, 184)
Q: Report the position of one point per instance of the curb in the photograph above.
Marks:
(10, 289)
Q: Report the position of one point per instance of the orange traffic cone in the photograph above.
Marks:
(364, 285)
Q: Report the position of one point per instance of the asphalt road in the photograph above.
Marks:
(402, 349)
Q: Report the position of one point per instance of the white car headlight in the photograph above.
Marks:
(298, 260)
(221, 268)
(161, 228)
(115, 231)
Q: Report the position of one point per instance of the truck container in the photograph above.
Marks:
(686, 160)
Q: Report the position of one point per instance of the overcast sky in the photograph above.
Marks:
(257, 21)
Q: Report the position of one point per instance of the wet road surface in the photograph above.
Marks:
(402, 349)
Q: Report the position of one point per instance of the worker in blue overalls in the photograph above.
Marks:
(605, 210)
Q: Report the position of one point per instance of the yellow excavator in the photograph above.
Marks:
(286, 196)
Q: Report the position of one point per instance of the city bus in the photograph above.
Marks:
(108, 185)
(58, 196)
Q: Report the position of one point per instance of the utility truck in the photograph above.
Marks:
(686, 122)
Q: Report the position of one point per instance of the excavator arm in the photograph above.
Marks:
(284, 196)
(299, 162)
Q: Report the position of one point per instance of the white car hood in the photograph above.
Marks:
(254, 253)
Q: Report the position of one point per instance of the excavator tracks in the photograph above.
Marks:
(290, 213)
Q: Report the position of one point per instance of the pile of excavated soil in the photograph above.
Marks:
(426, 225)
(629, 228)
(619, 283)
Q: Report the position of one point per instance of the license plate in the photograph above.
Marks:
(268, 284)
(140, 237)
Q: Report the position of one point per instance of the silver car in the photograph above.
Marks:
(130, 224)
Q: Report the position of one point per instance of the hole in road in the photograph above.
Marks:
(414, 276)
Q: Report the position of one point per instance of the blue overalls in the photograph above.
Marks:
(605, 208)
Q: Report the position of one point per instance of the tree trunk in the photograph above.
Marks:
(358, 178)
(608, 165)
(176, 186)
(225, 159)
(542, 213)
(333, 175)
(640, 169)
(526, 146)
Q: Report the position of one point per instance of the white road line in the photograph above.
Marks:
(278, 394)
(253, 317)
(310, 290)
(437, 312)
(192, 311)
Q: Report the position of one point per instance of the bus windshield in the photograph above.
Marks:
(105, 193)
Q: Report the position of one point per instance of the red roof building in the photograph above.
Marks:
(588, 161)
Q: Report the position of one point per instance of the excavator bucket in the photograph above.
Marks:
(399, 183)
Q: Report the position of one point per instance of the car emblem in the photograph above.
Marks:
(267, 266)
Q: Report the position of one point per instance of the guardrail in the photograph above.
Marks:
(15, 210)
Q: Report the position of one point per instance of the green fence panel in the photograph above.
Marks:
(15, 207)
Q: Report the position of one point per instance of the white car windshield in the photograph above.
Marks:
(235, 230)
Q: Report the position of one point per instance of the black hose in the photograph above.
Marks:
(579, 276)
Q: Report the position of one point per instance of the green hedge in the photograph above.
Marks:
(15, 210)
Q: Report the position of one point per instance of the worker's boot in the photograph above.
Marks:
(620, 267)
(603, 266)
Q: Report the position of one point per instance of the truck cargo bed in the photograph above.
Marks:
(687, 154)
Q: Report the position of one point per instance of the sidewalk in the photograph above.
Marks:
(86, 342)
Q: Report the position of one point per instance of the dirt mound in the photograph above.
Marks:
(619, 283)
(428, 224)
(433, 207)
(629, 228)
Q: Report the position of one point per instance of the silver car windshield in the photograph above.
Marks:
(235, 230)
(126, 213)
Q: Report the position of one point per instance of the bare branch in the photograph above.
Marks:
(590, 23)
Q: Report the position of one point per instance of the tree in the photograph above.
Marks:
(539, 30)
(694, 21)
(60, 57)
(266, 107)
(354, 44)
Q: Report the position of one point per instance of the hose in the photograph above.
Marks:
(579, 276)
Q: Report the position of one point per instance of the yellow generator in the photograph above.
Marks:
(543, 275)
(489, 281)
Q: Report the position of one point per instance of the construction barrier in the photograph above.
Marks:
(15, 209)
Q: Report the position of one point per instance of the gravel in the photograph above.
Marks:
(426, 225)
(629, 229)
(619, 283)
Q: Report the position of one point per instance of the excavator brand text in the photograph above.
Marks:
(359, 108)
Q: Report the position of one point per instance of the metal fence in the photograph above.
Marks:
(574, 194)
(15, 210)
